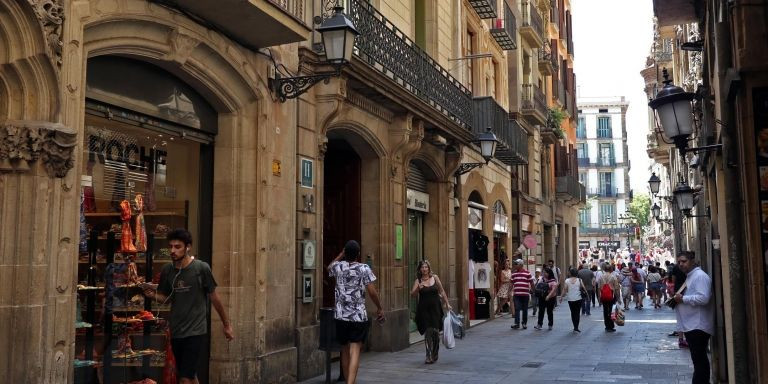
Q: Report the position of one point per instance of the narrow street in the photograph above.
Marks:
(639, 352)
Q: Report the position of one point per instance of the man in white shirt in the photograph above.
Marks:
(695, 315)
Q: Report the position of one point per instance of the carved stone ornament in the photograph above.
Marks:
(181, 45)
(50, 13)
(22, 143)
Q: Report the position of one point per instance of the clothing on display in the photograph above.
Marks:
(482, 275)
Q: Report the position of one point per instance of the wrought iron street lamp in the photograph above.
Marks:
(488, 143)
(674, 113)
(656, 210)
(338, 35)
(684, 198)
(654, 183)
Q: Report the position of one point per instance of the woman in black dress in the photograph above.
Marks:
(429, 311)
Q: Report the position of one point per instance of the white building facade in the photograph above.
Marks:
(601, 144)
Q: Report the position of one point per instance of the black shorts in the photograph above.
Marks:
(351, 331)
(186, 350)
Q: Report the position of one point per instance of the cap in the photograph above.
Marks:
(538, 269)
(519, 262)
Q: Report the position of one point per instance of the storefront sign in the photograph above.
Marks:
(398, 241)
(610, 244)
(584, 244)
(475, 218)
(417, 201)
(500, 223)
(307, 174)
(125, 151)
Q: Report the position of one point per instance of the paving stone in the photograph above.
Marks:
(491, 352)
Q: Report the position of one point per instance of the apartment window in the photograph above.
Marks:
(606, 154)
(606, 184)
(603, 110)
(524, 178)
(607, 213)
(604, 127)
(581, 129)
(581, 151)
(469, 39)
(583, 179)
(585, 215)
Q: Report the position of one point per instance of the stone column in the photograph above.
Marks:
(38, 251)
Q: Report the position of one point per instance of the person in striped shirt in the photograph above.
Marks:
(522, 286)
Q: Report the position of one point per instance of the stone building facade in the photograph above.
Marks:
(174, 100)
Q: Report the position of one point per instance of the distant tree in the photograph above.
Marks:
(640, 210)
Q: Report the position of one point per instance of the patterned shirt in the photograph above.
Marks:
(351, 280)
(521, 282)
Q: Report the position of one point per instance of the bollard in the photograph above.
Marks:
(328, 342)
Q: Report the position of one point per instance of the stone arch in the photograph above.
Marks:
(436, 170)
(365, 142)
(28, 73)
(223, 73)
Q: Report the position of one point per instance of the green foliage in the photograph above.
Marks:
(640, 210)
(556, 116)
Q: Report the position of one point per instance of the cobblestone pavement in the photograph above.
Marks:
(639, 352)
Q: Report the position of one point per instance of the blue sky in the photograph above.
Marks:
(612, 39)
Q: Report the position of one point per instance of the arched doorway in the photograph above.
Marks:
(147, 150)
(351, 199)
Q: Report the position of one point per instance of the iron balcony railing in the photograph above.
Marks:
(604, 192)
(486, 9)
(293, 7)
(568, 187)
(504, 30)
(513, 142)
(606, 161)
(385, 48)
(533, 99)
(583, 161)
(531, 18)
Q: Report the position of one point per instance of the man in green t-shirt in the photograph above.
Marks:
(188, 285)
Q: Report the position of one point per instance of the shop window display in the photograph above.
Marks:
(137, 184)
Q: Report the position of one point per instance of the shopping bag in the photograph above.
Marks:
(618, 315)
(457, 324)
(447, 338)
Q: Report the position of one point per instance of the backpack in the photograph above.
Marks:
(606, 292)
(541, 289)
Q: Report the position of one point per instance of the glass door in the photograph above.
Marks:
(415, 254)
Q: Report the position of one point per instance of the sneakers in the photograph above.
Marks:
(515, 326)
(537, 327)
(610, 330)
(576, 330)
(682, 343)
(525, 326)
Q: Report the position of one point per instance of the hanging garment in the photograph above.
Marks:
(126, 237)
(141, 229)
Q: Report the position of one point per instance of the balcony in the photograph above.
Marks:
(254, 24)
(513, 141)
(674, 12)
(546, 64)
(606, 161)
(486, 9)
(534, 104)
(568, 188)
(583, 161)
(531, 30)
(386, 49)
(503, 30)
(604, 192)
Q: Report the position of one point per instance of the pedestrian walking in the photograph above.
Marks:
(547, 291)
(505, 287)
(188, 285)
(588, 280)
(573, 294)
(695, 315)
(609, 289)
(429, 311)
(522, 285)
(353, 280)
(592, 293)
(534, 297)
(654, 286)
(638, 287)
(625, 279)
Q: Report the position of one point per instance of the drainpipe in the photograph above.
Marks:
(734, 205)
